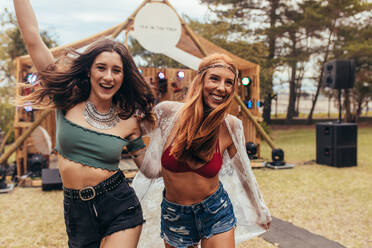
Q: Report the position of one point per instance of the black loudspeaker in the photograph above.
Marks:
(336, 144)
(51, 179)
(35, 163)
(339, 74)
(163, 85)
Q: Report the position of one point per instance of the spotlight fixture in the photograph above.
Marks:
(180, 74)
(161, 75)
(140, 71)
(27, 107)
(248, 103)
(251, 150)
(246, 81)
(31, 78)
(277, 156)
(163, 82)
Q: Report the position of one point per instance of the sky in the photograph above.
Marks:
(73, 20)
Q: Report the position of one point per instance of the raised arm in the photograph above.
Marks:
(39, 52)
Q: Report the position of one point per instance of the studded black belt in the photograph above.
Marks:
(90, 192)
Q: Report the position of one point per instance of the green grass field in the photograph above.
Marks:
(332, 202)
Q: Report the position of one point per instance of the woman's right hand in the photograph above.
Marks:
(39, 52)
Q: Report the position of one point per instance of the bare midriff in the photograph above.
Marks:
(78, 176)
(187, 188)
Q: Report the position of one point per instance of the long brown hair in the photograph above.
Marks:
(197, 128)
(67, 84)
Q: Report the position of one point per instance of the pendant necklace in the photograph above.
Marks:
(100, 120)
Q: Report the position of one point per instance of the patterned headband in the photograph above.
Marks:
(218, 66)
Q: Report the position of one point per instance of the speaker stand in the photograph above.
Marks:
(339, 105)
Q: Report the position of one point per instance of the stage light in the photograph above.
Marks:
(31, 78)
(140, 71)
(259, 104)
(246, 81)
(251, 150)
(161, 75)
(248, 103)
(163, 83)
(180, 74)
(27, 107)
(277, 155)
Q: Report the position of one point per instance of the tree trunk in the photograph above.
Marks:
(267, 109)
(315, 99)
(347, 106)
(292, 94)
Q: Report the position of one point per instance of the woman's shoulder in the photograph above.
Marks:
(232, 121)
(167, 107)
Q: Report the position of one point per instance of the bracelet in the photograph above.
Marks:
(133, 156)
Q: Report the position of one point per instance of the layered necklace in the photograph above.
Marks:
(100, 120)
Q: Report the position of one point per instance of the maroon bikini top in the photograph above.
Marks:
(208, 170)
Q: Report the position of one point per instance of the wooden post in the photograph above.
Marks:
(22, 138)
(129, 20)
(6, 137)
(259, 129)
(188, 30)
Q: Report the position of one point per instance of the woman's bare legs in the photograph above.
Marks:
(169, 246)
(129, 237)
(221, 240)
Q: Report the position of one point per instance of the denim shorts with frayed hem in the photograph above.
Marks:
(186, 225)
(88, 222)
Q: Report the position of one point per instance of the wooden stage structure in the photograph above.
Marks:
(174, 89)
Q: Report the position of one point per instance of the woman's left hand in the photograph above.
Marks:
(266, 226)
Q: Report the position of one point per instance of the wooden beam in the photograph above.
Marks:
(188, 30)
(22, 138)
(6, 137)
(258, 127)
(127, 23)
(130, 19)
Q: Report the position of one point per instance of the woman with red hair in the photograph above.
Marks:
(199, 151)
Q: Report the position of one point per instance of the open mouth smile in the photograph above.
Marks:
(218, 98)
(105, 86)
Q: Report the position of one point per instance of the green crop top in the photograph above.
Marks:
(89, 147)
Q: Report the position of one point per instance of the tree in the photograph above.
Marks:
(12, 45)
(255, 22)
(354, 43)
(334, 16)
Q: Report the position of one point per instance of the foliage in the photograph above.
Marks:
(295, 34)
(12, 45)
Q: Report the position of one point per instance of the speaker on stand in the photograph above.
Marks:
(336, 142)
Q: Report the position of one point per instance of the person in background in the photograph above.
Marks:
(100, 100)
(199, 150)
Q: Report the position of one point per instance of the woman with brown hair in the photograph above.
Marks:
(100, 100)
(199, 149)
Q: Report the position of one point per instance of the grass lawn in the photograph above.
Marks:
(332, 202)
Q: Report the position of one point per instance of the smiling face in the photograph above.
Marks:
(218, 86)
(106, 77)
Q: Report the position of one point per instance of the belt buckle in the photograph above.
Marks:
(89, 198)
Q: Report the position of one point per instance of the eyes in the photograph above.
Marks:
(216, 78)
(102, 67)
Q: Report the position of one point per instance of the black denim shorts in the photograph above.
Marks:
(89, 219)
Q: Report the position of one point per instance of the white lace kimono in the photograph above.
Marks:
(236, 176)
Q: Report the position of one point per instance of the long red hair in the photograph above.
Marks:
(196, 130)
